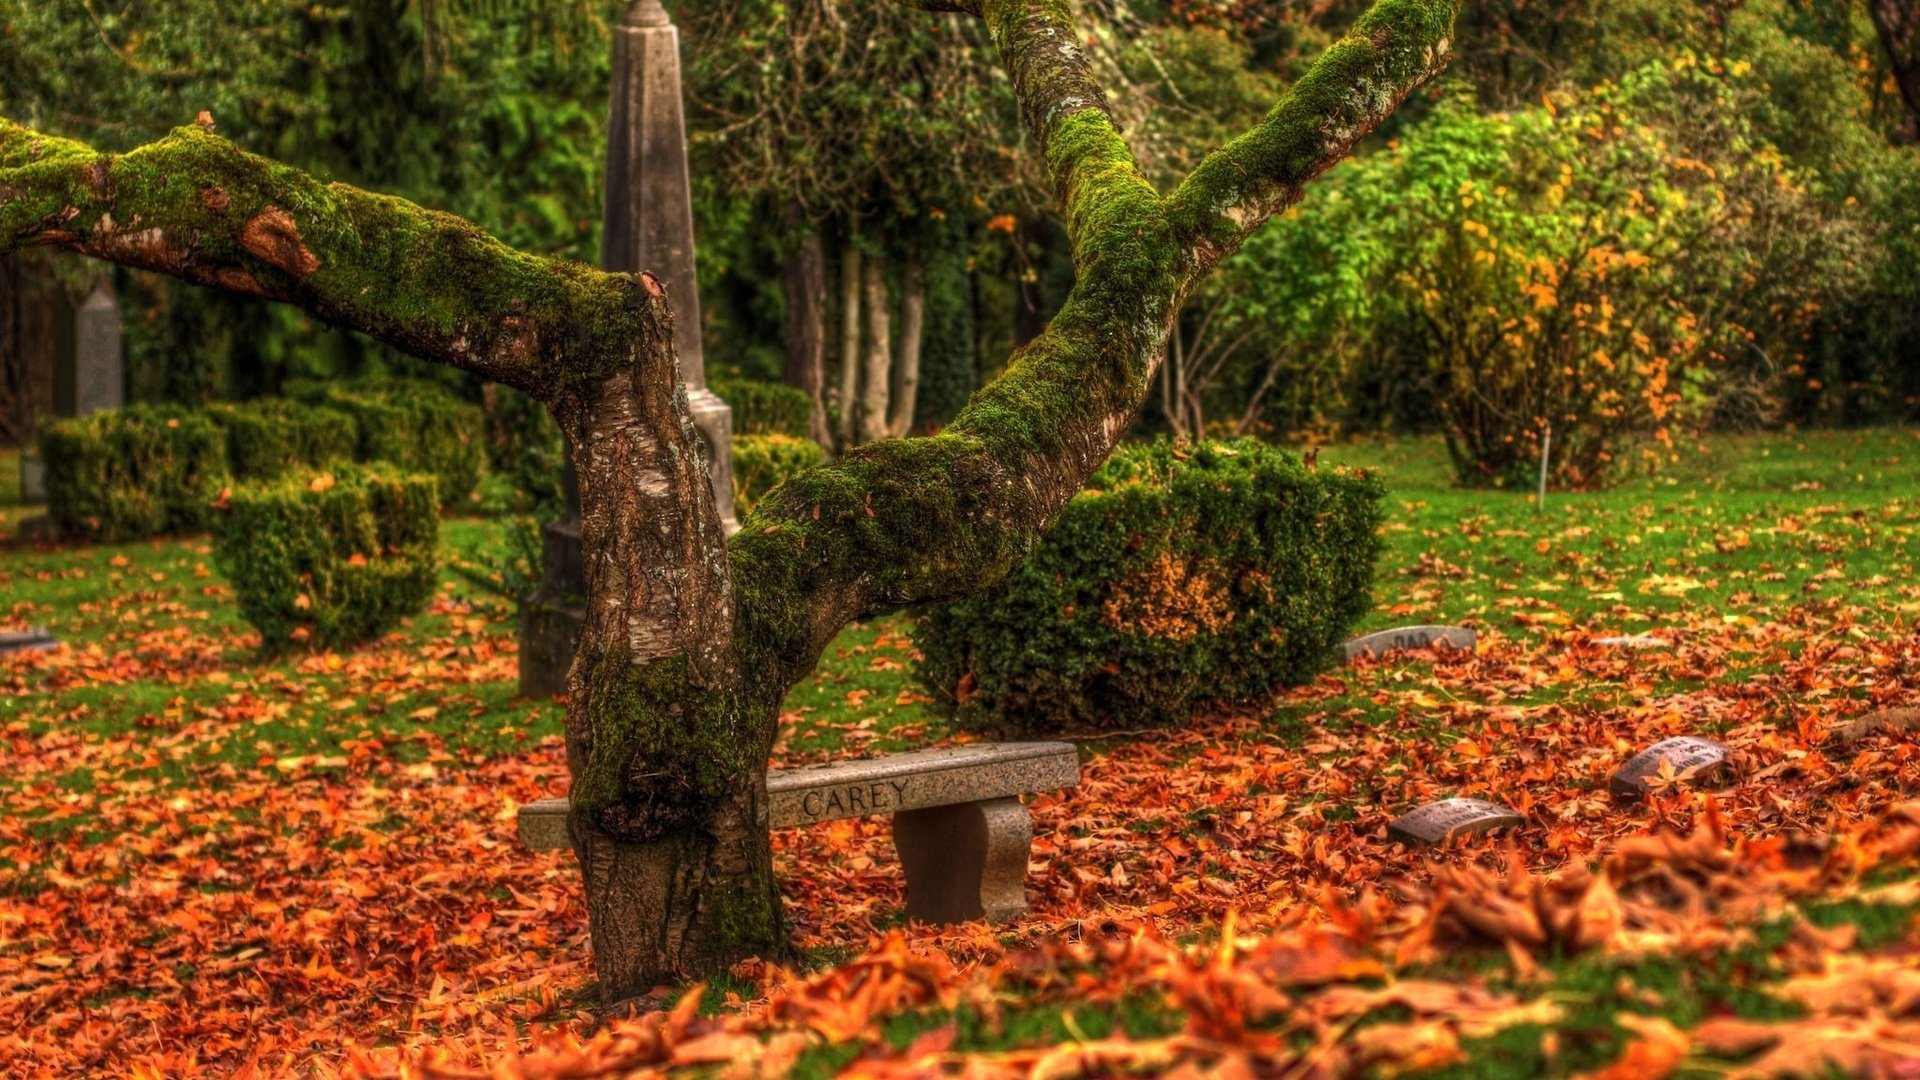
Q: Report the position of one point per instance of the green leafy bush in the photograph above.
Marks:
(330, 557)
(765, 408)
(268, 436)
(763, 462)
(415, 425)
(130, 473)
(1183, 576)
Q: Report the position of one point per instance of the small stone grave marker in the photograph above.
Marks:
(20, 641)
(1437, 823)
(1632, 641)
(1411, 637)
(1690, 755)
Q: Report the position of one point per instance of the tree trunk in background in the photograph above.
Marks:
(805, 282)
(849, 342)
(1899, 24)
(15, 411)
(906, 366)
(877, 366)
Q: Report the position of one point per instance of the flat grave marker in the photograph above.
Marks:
(22, 641)
(1691, 756)
(1633, 641)
(1410, 637)
(1437, 823)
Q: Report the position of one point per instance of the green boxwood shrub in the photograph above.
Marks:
(413, 424)
(269, 436)
(331, 557)
(1184, 576)
(763, 462)
(130, 473)
(766, 408)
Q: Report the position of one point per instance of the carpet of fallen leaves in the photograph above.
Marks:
(372, 913)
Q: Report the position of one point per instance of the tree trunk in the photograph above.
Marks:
(849, 341)
(1899, 24)
(805, 281)
(906, 365)
(14, 400)
(876, 368)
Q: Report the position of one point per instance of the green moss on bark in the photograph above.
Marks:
(661, 752)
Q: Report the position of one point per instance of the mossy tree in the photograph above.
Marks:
(691, 641)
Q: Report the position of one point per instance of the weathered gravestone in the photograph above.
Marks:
(89, 375)
(1438, 823)
(1411, 637)
(647, 224)
(958, 823)
(1686, 757)
(21, 641)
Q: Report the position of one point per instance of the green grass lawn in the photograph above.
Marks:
(1737, 526)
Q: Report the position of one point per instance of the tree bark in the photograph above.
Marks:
(690, 641)
(15, 407)
(849, 342)
(805, 285)
(877, 362)
(905, 394)
(1898, 22)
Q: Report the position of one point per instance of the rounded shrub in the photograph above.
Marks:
(125, 474)
(764, 462)
(414, 424)
(330, 557)
(267, 437)
(766, 408)
(1183, 576)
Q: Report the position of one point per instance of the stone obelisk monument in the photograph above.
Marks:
(648, 225)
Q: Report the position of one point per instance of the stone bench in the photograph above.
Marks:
(958, 823)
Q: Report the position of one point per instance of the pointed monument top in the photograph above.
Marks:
(647, 13)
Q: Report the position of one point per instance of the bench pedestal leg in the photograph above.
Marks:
(965, 861)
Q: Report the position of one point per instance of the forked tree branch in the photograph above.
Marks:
(196, 207)
(921, 520)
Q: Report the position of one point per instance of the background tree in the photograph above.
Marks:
(690, 642)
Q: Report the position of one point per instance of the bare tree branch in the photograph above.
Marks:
(194, 206)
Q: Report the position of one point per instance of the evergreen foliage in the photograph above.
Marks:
(765, 408)
(329, 558)
(764, 462)
(413, 425)
(126, 474)
(1185, 576)
(269, 436)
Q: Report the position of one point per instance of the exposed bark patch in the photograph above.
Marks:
(214, 198)
(274, 238)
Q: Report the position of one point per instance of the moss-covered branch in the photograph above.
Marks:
(1395, 48)
(921, 520)
(196, 207)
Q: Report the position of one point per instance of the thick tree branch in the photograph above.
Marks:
(196, 207)
(1395, 48)
(921, 520)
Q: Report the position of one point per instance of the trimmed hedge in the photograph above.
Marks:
(764, 462)
(131, 473)
(326, 558)
(269, 436)
(766, 408)
(413, 424)
(1183, 577)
